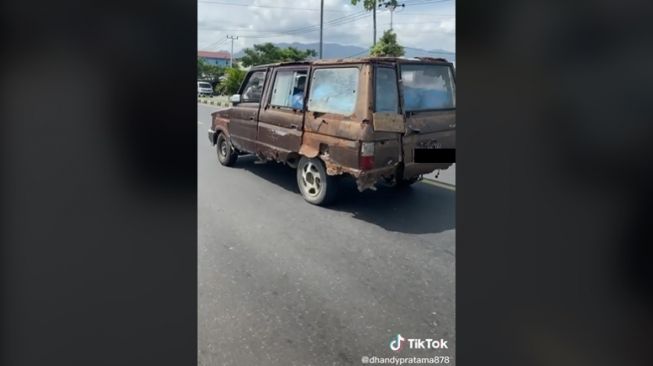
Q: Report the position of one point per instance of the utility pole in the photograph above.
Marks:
(231, 56)
(392, 5)
(321, 24)
(374, 21)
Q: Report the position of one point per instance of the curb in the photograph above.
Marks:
(213, 102)
(209, 105)
(438, 183)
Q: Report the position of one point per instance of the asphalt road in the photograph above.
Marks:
(283, 282)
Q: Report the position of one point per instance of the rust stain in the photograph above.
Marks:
(283, 134)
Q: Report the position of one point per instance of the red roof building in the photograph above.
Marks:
(220, 58)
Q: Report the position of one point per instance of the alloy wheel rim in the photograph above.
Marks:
(311, 179)
(223, 148)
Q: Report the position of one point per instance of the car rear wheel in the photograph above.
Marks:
(314, 184)
(226, 154)
(405, 183)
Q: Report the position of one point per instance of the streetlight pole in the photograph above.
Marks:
(321, 24)
(231, 56)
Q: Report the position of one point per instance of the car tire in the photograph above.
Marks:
(315, 185)
(406, 183)
(226, 154)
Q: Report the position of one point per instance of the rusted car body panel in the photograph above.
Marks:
(285, 134)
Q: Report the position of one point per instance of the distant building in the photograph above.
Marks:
(219, 58)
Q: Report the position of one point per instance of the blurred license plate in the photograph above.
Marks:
(434, 155)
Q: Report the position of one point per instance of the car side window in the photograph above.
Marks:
(386, 93)
(289, 88)
(334, 90)
(254, 88)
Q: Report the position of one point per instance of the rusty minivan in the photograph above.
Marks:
(361, 117)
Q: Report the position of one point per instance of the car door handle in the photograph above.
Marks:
(251, 118)
(294, 126)
(416, 130)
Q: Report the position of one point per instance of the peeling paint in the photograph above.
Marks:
(283, 134)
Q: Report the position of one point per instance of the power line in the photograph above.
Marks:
(267, 6)
(309, 29)
(426, 14)
(231, 55)
(428, 2)
(431, 22)
(334, 21)
(353, 19)
(392, 5)
(358, 54)
(216, 43)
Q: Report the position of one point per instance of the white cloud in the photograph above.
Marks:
(257, 21)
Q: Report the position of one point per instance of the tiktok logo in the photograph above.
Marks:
(395, 343)
(398, 342)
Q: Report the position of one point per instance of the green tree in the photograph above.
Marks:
(268, 53)
(231, 82)
(387, 46)
(367, 4)
(200, 68)
(207, 71)
(371, 4)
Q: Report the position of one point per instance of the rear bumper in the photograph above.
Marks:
(415, 169)
(367, 179)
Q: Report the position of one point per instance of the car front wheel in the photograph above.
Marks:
(314, 184)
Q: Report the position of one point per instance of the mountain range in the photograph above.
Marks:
(335, 50)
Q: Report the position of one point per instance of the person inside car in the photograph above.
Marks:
(298, 94)
(254, 91)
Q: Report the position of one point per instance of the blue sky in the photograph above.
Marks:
(427, 24)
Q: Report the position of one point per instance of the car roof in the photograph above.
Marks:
(358, 60)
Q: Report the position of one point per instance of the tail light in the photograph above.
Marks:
(367, 156)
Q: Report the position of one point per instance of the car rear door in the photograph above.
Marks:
(335, 110)
(388, 122)
(281, 119)
(429, 107)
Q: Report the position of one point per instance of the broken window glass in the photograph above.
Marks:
(334, 90)
(427, 87)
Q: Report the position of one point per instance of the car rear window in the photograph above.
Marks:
(427, 87)
(334, 90)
